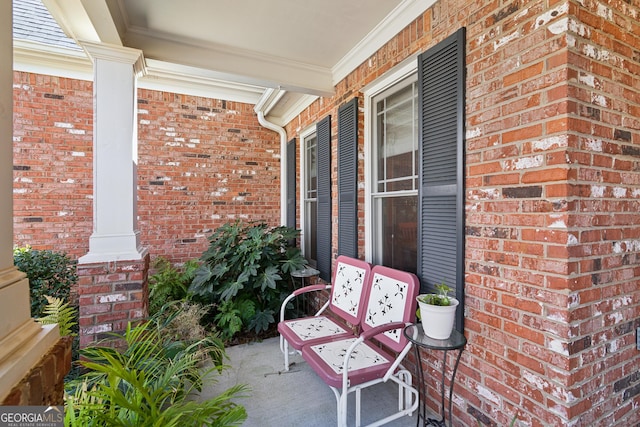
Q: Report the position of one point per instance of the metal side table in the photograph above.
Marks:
(304, 275)
(456, 341)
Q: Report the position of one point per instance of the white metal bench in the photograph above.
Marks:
(342, 312)
(351, 361)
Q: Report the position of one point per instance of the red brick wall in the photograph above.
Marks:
(44, 384)
(553, 195)
(604, 241)
(110, 296)
(52, 162)
(552, 167)
(202, 162)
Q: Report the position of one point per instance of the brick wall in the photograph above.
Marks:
(52, 162)
(604, 237)
(553, 195)
(44, 384)
(202, 162)
(111, 295)
(552, 200)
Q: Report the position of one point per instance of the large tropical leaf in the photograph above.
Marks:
(232, 289)
(201, 284)
(268, 278)
(262, 320)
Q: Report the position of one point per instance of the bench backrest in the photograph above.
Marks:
(391, 298)
(348, 288)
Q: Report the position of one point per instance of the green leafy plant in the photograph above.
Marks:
(231, 316)
(245, 274)
(169, 283)
(150, 381)
(180, 322)
(50, 273)
(440, 298)
(58, 311)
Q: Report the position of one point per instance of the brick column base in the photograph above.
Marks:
(44, 384)
(110, 295)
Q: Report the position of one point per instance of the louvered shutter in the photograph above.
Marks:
(441, 86)
(323, 226)
(348, 179)
(291, 183)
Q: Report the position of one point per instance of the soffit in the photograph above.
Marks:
(316, 33)
(301, 47)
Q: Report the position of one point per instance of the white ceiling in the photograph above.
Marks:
(301, 48)
(316, 33)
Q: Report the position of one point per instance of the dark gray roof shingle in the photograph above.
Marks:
(33, 22)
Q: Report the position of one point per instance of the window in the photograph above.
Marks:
(310, 197)
(394, 180)
(414, 150)
(315, 189)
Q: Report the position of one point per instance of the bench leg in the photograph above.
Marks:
(358, 406)
(285, 350)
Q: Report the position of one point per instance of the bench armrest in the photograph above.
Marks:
(382, 328)
(310, 288)
(297, 292)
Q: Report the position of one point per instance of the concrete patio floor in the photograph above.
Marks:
(297, 398)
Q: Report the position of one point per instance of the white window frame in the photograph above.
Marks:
(394, 76)
(306, 133)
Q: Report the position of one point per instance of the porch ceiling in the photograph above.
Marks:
(301, 47)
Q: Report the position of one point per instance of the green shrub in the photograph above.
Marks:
(181, 322)
(50, 273)
(245, 275)
(169, 283)
(150, 381)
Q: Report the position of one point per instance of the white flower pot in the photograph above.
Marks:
(437, 321)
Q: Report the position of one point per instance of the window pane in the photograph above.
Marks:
(399, 97)
(400, 185)
(310, 199)
(380, 149)
(311, 163)
(395, 176)
(396, 141)
(310, 237)
(399, 143)
(396, 232)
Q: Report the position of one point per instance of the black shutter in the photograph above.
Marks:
(348, 179)
(441, 88)
(291, 184)
(323, 227)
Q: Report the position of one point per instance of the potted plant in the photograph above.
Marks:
(437, 312)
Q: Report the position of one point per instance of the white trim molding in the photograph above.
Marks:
(115, 53)
(405, 13)
(38, 58)
(22, 341)
(399, 72)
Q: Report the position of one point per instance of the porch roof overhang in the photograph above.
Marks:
(230, 49)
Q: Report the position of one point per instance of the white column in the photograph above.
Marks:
(115, 154)
(22, 341)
